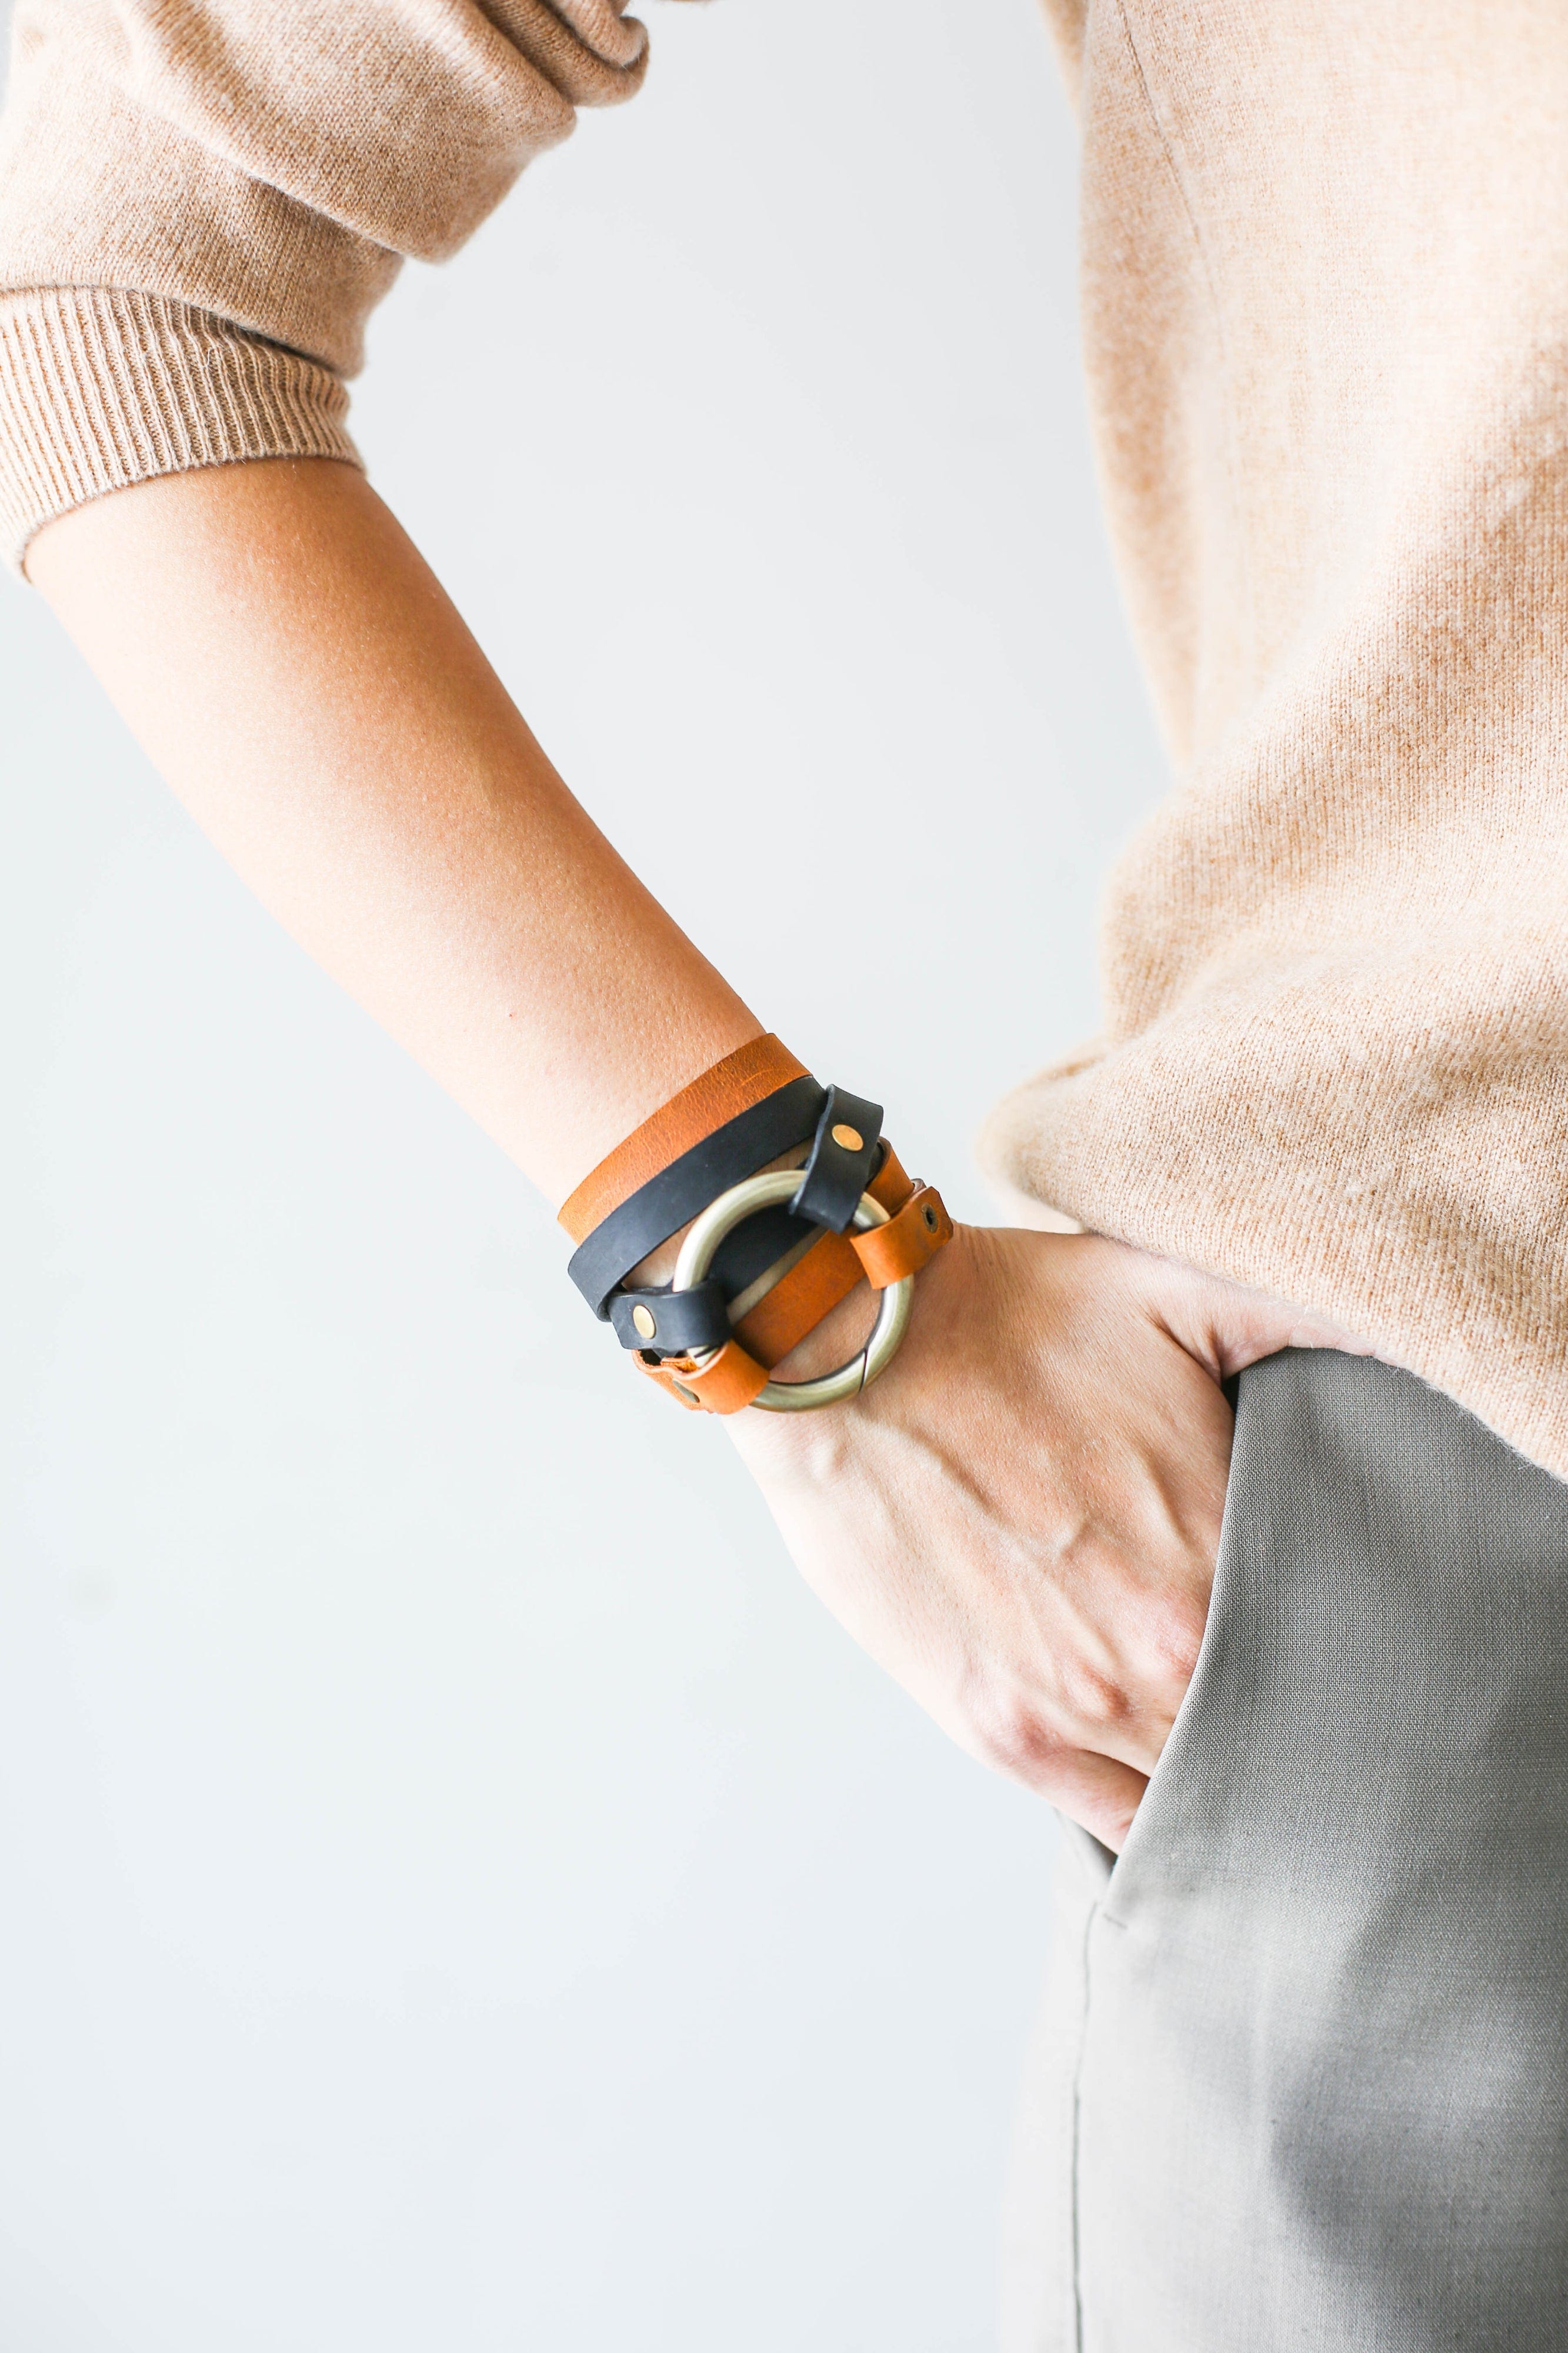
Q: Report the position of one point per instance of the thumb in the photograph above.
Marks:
(1229, 1325)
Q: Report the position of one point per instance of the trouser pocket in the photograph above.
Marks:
(1319, 2093)
(1040, 2285)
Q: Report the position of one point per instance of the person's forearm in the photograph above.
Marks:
(1021, 1517)
(296, 672)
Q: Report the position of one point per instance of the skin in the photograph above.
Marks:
(1020, 1520)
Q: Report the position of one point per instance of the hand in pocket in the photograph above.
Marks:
(1020, 1520)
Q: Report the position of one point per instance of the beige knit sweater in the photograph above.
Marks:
(1326, 293)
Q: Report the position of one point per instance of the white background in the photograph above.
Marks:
(458, 1890)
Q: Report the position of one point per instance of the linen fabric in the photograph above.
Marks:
(1326, 317)
(1300, 2078)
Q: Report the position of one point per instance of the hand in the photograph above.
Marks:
(1020, 1520)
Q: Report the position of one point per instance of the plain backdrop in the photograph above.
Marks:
(458, 1889)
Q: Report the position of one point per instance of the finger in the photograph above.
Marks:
(1099, 1793)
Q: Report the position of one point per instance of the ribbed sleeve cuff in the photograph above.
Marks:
(101, 388)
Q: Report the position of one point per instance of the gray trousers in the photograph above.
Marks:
(1302, 2079)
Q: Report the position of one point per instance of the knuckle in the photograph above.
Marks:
(1096, 1697)
(1006, 1730)
(1175, 1640)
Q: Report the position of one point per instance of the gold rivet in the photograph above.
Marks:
(849, 1137)
(642, 1320)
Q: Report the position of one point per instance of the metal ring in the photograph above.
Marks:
(730, 1210)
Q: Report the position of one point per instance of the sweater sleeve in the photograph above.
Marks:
(201, 201)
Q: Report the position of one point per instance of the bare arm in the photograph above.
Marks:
(1020, 1520)
(295, 671)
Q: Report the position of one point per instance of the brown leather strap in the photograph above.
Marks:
(814, 1285)
(665, 1373)
(746, 1076)
(907, 1242)
(800, 1300)
(727, 1382)
(890, 1186)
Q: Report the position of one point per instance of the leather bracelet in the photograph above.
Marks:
(917, 1227)
(772, 1242)
(773, 1252)
(723, 1380)
(681, 1192)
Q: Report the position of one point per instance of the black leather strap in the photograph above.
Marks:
(697, 1319)
(676, 1320)
(837, 1172)
(753, 1248)
(678, 1193)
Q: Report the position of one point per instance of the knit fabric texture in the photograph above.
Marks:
(1325, 262)
(201, 201)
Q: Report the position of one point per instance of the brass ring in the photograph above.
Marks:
(730, 1210)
